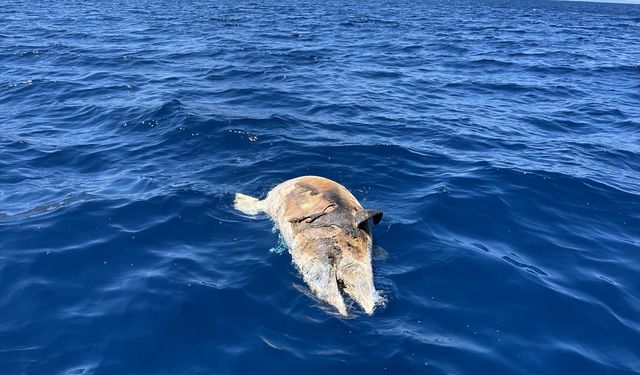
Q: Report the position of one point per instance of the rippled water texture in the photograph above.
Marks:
(500, 138)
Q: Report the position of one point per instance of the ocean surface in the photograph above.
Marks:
(501, 139)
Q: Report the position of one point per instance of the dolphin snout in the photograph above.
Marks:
(319, 272)
(357, 280)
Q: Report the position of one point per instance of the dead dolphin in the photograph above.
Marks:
(328, 234)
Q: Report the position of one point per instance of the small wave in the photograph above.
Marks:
(48, 207)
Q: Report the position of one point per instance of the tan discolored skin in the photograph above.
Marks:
(328, 234)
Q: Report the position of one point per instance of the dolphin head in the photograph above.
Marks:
(337, 257)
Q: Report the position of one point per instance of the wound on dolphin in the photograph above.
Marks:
(328, 234)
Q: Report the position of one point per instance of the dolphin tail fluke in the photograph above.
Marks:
(248, 205)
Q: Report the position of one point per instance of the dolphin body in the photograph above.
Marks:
(328, 235)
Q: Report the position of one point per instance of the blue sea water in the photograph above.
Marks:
(500, 138)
